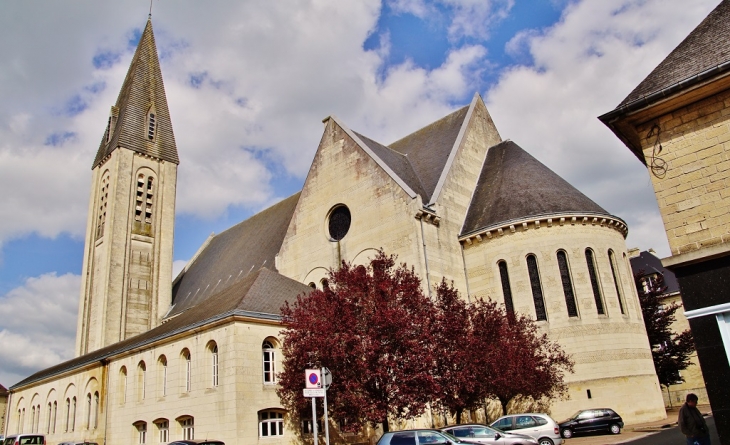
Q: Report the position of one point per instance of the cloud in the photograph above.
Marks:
(37, 325)
(583, 67)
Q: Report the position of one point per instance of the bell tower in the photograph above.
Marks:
(127, 268)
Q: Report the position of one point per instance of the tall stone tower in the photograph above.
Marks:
(127, 269)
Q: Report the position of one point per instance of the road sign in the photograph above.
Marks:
(319, 392)
(313, 378)
(326, 378)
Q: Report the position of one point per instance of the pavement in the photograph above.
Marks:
(634, 432)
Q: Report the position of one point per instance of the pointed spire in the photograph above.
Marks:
(140, 120)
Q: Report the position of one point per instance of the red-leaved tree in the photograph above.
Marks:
(529, 364)
(372, 327)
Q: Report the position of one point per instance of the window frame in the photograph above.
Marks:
(538, 296)
(276, 423)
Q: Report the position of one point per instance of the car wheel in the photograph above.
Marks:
(545, 441)
(615, 429)
(567, 433)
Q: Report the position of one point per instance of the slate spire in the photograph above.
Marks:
(140, 119)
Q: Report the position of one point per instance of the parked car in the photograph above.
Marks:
(540, 426)
(78, 442)
(25, 439)
(197, 442)
(588, 420)
(421, 437)
(476, 432)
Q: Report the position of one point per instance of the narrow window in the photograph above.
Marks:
(38, 418)
(123, 384)
(73, 413)
(506, 289)
(96, 410)
(163, 427)
(151, 124)
(88, 411)
(55, 412)
(141, 377)
(616, 280)
(188, 428)
(162, 365)
(22, 421)
(567, 284)
(271, 423)
(68, 413)
(590, 261)
(32, 419)
(48, 421)
(269, 362)
(141, 432)
(188, 368)
(103, 200)
(536, 287)
(214, 364)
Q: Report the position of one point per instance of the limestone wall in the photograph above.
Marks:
(692, 190)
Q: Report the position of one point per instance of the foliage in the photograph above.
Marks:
(372, 328)
(670, 351)
(529, 364)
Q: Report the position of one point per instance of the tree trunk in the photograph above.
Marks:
(504, 406)
(458, 416)
(385, 426)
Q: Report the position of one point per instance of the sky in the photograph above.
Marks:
(248, 84)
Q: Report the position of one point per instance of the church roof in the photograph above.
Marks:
(648, 264)
(515, 186)
(3, 391)
(706, 50)
(142, 90)
(260, 295)
(232, 255)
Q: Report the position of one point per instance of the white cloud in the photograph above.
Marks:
(37, 325)
(583, 67)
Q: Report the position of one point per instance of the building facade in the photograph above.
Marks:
(197, 356)
(677, 122)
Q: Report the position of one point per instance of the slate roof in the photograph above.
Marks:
(233, 254)
(705, 48)
(142, 88)
(261, 294)
(515, 186)
(3, 391)
(648, 264)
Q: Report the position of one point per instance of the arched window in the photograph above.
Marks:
(55, 412)
(88, 411)
(567, 281)
(213, 351)
(103, 201)
(506, 288)
(269, 359)
(536, 286)
(325, 284)
(616, 280)
(271, 423)
(73, 413)
(22, 421)
(68, 414)
(123, 384)
(32, 419)
(38, 418)
(96, 410)
(162, 366)
(188, 369)
(141, 380)
(141, 427)
(187, 423)
(595, 284)
(163, 428)
(144, 199)
(48, 418)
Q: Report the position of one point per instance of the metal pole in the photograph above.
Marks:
(314, 419)
(326, 420)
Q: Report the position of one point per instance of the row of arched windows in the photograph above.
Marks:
(186, 427)
(51, 416)
(186, 380)
(566, 280)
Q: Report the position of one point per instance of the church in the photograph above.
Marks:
(161, 359)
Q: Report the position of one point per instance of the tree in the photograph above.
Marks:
(529, 364)
(465, 351)
(372, 327)
(669, 350)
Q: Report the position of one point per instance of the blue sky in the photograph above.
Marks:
(248, 84)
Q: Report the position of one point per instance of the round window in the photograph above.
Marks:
(339, 222)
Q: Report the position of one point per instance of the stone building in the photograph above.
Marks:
(677, 122)
(648, 266)
(3, 406)
(197, 356)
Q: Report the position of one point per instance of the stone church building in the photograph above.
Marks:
(197, 356)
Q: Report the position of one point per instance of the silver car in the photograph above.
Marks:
(540, 426)
(476, 432)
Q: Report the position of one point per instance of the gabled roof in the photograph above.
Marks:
(232, 255)
(142, 89)
(647, 264)
(705, 48)
(259, 295)
(3, 391)
(515, 186)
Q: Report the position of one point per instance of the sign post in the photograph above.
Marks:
(312, 383)
(327, 382)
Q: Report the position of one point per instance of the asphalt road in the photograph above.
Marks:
(668, 436)
(672, 436)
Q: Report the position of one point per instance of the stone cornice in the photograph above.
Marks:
(540, 221)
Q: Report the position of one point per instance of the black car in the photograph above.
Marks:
(197, 442)
(589, 420)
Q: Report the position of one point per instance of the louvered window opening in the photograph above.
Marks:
(506, 289)
(536, 288)
(567, 284)
(143, 205)
(151, 127)
(103, 198)
(594, 281)
(612, 262)
(339, 223)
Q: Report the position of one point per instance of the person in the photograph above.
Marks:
(692, 423)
